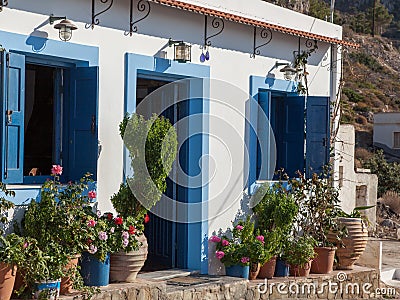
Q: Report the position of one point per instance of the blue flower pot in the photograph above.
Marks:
(48, 289)
(281, 269)
(238, 271)
(94, 271)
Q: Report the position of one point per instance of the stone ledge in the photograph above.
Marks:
(224, 287)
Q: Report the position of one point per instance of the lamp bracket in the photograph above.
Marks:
(53, 18)
(216, 23)
(264, 34)
(3, 3)
(143, 6)
(173, 42)
(95, 19)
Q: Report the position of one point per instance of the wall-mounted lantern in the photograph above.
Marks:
(182, 51)
(288, 71)
(65, 27)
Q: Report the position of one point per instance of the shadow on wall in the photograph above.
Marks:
(37, 40)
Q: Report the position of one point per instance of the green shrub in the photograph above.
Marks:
(352, 95)
(367, 60)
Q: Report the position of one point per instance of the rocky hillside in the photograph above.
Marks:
(371, 73)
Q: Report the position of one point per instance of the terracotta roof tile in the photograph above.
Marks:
(253, 22)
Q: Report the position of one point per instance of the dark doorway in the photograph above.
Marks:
(161, 234)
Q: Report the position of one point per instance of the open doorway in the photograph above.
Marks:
(162, 234)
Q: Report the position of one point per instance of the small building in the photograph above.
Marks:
(236, 92)
(387, 133)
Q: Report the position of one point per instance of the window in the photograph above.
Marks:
(396, 139)
(295, 129)
(50, 111)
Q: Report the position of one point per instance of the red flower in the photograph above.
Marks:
(89, 241)
(92, 194)
(146, 219)
(131, 229)
(118, 221)
(109, 216)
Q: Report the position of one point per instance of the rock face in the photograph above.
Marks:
(301, 6)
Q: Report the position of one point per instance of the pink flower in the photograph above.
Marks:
(260, 238)
(125, 243)
(103, 236)
(92, 249)
(112, 229)
(225, 243)
(245, 260)
(92, 194)
(219, 254)
(215, 239)
(91, 223)
(239, 227)
(98, 213)
(56, 170)
(125, 235)
(26, 245)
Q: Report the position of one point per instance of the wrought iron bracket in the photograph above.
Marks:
(216, 23)
(265, 34)
(312, 45)
(143, 6)
(3, 3)
(95, 19)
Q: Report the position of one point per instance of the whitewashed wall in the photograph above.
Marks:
(230, 61)
(385, 124)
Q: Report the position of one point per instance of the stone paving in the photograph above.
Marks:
(360, 283)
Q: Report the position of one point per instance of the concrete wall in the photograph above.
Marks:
(356, 188)
(385, 124)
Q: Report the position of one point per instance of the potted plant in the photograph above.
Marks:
(275, 210)
(151, 165)
(351, 238)
(56, 221)
(318, 201)
(299, 255)
(11, 254)
(95, 262)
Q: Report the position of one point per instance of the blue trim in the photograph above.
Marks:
(268, 84)
(43, 48)
(195, 234)
(55, 53)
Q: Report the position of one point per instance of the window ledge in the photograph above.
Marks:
(23, 186)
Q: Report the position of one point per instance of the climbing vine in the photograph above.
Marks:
(300, 63)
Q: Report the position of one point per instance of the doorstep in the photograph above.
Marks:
(198, 287)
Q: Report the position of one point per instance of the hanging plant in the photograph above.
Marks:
(300, 63)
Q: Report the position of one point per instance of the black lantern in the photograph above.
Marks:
(182, 51)
(65, 27)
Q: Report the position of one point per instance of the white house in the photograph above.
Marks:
(387, 132)
(62, 101)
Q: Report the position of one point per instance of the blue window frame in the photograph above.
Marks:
(72, 117)
(299, 130)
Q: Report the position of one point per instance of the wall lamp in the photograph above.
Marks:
(65, 27)
(289, 72)
(182, 51)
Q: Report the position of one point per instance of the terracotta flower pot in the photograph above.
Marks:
(354, 243)
(300, 271)
(254, 269)
(323, 262)
(124, 266)
(268, 269)
(7, 279)
(66, 282)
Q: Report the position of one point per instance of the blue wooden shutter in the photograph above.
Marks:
(83, 141)
(291, 152)
(317, 134)
(263, 130)
(12, 116)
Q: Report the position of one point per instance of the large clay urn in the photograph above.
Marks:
(124, 266)
(353, 244)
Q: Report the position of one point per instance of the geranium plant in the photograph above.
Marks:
(125, 232)
(241, 245)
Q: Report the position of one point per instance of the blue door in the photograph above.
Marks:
(317, 134)
(82, 136)
(12, 116)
